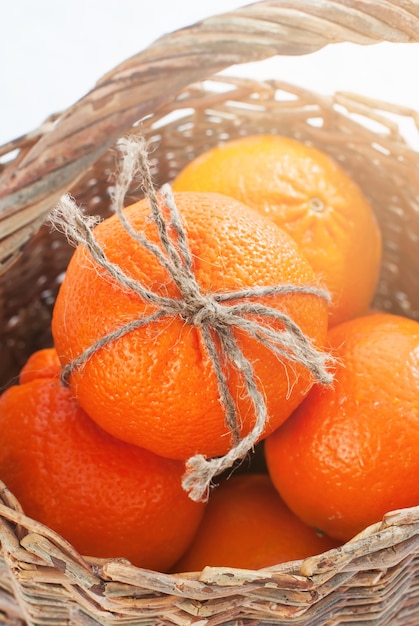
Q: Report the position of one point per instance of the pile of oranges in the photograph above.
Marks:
(99, 454)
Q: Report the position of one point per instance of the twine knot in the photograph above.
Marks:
(204, 310)
(215, 314)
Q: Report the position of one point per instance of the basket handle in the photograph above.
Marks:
(152, 78)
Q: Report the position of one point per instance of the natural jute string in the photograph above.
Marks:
(211, 313)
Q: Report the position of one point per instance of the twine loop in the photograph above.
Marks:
(215, 314)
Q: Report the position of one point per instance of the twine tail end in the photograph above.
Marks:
(198, 477)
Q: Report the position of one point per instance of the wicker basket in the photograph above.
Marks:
(373, 579)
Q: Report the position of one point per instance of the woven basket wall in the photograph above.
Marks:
(374, 579)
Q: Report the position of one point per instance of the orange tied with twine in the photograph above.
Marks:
(211, 313)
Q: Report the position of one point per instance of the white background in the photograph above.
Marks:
(53, 51)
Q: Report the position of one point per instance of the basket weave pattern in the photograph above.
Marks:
(373, 579)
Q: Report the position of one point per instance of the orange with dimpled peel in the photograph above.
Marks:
(350, 452)
(308, 194)
(106, 497)
(247, 525)
(155, 386)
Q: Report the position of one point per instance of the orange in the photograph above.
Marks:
(104, 496)
(155, 386)
(308, 194)
(43, 363)
(247, 525)
(350, 453)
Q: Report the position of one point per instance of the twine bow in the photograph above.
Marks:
(209, 312)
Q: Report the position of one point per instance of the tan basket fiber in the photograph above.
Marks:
(373, 579)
